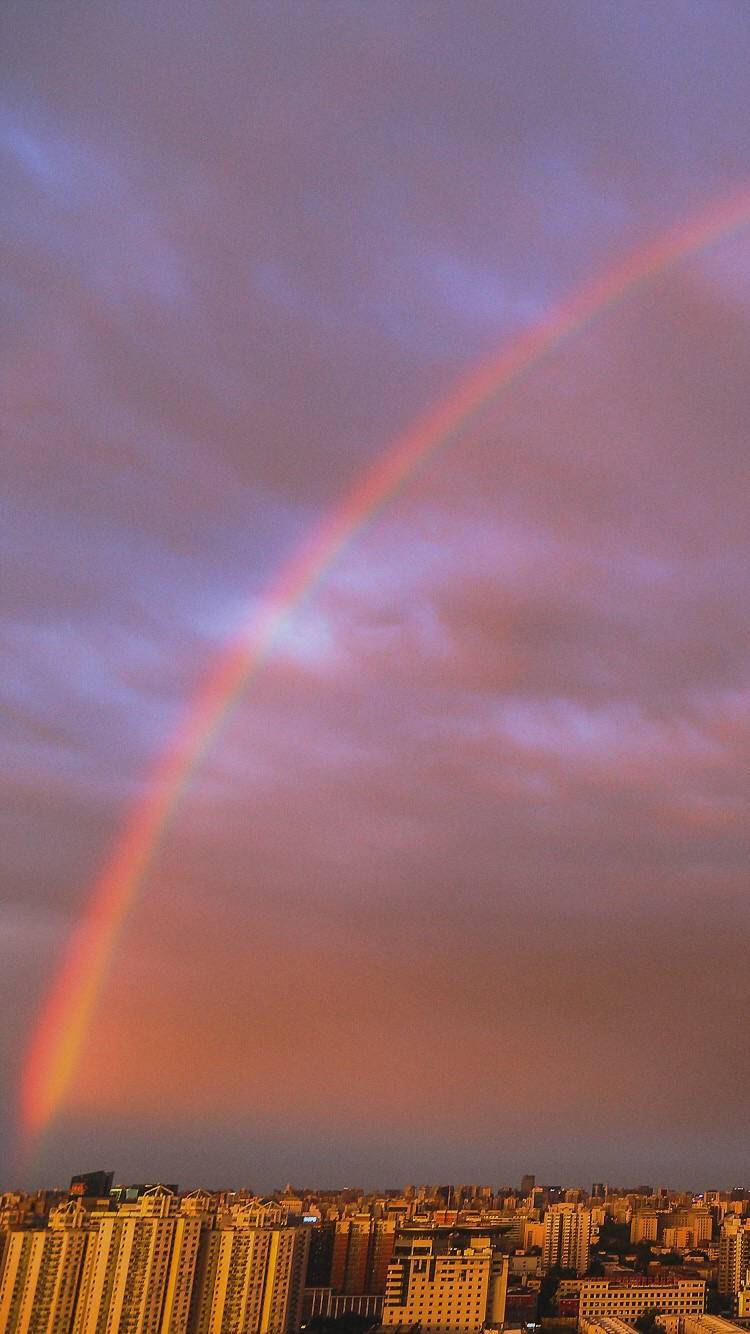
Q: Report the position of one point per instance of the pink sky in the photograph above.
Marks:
(464, 883)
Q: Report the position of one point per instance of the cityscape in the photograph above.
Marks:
(451, 1259)
(375, 698)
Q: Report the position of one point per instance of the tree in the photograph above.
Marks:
(643, 1256)
(647, 1323)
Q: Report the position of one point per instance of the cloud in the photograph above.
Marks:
(479, 828)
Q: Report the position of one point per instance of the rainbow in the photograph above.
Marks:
(60, 1032)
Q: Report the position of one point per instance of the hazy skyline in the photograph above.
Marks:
(461, 890)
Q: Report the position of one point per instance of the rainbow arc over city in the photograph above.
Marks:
(59, 1035)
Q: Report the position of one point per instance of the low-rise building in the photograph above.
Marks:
(627, 1300)
(605, 1325)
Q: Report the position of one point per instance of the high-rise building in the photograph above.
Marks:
(250, 1279)
(684, 1228)
(528, 1182)
(644, 1225)
(42, 1273)
(91, 1185)
(140, 1269)
(532, 1234)
(131, 1194)
(321, 1255)
(445, 1289)
(734, 1254)
(567, 1237)
(362, 1250)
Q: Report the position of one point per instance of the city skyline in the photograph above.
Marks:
(456, 872)
(587, 1189)
(461, 1259)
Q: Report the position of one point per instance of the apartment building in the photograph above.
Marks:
(140, 1269)
(686, 1228)
(644, 1225)
(249, 1279)
(362, 1252)
(567, 1237)
(446, 1289)
(734, 1255)
(159, 1265)
(41, 1275)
